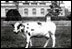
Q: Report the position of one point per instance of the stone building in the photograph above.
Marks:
(29, 8)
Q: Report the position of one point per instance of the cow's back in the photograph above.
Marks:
(36, 29)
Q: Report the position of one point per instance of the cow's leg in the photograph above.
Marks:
(48, 38)
(46, 43)
(28, 40)
(53, 40)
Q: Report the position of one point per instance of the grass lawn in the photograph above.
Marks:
(11, 40)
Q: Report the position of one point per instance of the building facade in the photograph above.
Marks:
(29, 8)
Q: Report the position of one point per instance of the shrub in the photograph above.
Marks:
(13, 15)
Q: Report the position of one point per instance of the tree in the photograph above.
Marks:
(54, 9)
(13, 15)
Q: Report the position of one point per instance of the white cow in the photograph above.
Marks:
(31, 29)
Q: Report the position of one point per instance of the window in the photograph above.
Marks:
(25, 2)
(48, 10)
(33, 3)
(34, 11)
(42, 3)
(7, 1)
(26, 11)
(42, 11)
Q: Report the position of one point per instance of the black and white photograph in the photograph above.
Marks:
(35, 24)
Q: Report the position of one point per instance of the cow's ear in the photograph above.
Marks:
(20, 25)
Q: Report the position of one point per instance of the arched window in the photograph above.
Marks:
(42, 11)
(34, 11)
(26, 11)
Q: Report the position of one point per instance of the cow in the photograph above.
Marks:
(30, 29)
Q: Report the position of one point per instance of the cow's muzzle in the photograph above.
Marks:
(16, 32)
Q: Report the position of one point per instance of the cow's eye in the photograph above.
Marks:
(32, 29)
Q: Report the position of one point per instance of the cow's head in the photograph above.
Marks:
(18, 27)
